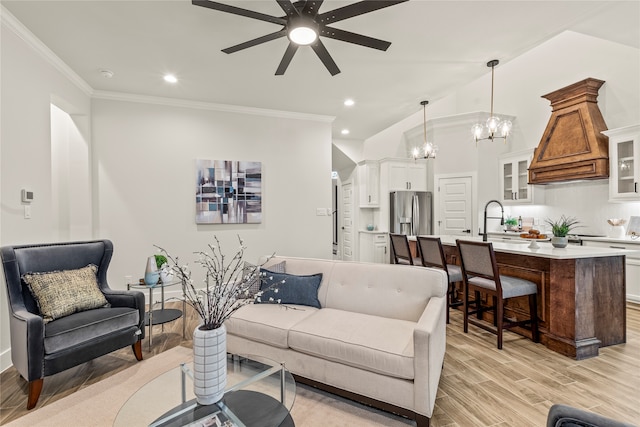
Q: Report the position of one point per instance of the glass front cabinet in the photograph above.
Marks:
(514, 178)
(624, 163)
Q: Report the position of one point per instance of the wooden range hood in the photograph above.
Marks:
(572, 146)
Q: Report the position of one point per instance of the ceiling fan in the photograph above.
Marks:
(304, 25)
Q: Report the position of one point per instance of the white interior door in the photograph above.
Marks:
(455, 210)
(347, 221)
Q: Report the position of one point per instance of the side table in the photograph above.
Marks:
(163, 315)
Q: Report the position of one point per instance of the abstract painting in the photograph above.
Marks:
(228, 192)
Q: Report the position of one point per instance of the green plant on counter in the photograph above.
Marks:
(563, 226)
(511, 222)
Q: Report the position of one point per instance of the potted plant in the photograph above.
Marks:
(511, 223)
(226, 288)
(560, 229)
(166, 275)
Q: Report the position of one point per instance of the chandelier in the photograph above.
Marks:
(428, 150)
(494, 124)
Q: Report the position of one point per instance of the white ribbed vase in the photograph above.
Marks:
(209, 364)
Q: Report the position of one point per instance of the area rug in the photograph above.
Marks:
(99, 403)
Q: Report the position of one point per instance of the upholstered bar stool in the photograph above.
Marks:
(432, 255)
(480, 275)
(401, 251)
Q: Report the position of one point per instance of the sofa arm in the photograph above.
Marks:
(27, 344)
(429, 345)
(133, 299)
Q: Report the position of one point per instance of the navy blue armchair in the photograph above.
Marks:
(40, 348)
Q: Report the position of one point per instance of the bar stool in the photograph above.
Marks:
(480, 275)
(432, 255)
(401, 251)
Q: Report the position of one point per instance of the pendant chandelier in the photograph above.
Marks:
(494, 124)
(428, 150)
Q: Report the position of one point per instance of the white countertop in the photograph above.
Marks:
(545, 250)
(625, 240)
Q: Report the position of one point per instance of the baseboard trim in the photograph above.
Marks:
(5, 360)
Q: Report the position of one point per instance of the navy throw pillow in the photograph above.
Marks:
(283, 288)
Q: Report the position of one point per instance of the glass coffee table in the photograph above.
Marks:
(259, 393)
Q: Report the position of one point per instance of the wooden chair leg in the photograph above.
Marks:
(465, 307)
(35, 387)
(533, 310)
(479, 309)
(449, 300)
(500, 316)
(137, 349)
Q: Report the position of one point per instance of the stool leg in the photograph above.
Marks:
(533, 310)
(449, 299)
(500, 316)
(465, 305)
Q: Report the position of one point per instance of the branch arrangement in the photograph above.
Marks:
(226, 284)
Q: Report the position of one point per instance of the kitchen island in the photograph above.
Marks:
(581, 292)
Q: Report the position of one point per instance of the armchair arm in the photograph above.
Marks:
(429, 342)
(133, 299)
(27, 343)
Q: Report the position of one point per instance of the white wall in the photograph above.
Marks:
(519, 85)
(29, 85)
(126, 172)
(144, 175)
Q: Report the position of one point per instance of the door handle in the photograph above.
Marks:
(635, 187)
(466, 231)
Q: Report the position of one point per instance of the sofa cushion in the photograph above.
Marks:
(367, 342)
(69, 331)
(60, 293)
(267, 323)
(290, 289)
(254, 282)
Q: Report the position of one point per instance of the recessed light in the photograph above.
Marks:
(170, 78)
(345, 131)
(349, 102)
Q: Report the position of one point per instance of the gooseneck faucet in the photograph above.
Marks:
(484, 230)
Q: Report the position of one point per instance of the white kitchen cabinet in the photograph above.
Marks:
(624, 163)
(369, 183)
(514, 178)
(406, 174)
(374, 247)
(633, 265)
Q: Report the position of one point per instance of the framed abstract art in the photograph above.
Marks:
(228, 192)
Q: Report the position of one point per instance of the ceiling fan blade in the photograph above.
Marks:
(355, 9)
(349, 37)
(287, 7)
(286, 58)
(327, 60)
(239, 11)
(311, 7)
(255, 42)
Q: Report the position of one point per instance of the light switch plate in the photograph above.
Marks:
(27, 212)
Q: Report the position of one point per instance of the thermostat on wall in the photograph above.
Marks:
(27, 196)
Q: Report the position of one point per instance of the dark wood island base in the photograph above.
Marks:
(582, 299)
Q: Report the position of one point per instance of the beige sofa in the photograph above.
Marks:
(379, 337)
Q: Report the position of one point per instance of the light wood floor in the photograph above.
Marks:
(480, 385)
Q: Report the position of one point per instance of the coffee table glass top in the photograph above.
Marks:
(259, 392)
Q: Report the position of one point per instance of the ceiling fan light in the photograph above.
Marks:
(303, 35)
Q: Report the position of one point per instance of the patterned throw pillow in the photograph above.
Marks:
(254, 283)
(61, 293)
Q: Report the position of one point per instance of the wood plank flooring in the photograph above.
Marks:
(480, 385)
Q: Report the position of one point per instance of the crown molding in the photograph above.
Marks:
(174, 102)
(11, 22)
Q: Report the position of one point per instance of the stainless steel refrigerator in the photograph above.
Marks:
(411, 212)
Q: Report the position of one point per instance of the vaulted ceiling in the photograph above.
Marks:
(435, 47)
